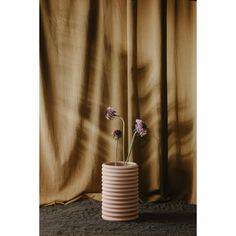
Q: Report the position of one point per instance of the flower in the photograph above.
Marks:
(110, 113)
(140, 127)
(117, 134)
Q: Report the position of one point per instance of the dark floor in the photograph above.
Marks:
(84, 218)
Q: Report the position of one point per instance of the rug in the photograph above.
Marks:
(84, 218)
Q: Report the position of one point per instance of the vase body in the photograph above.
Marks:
(120, 191)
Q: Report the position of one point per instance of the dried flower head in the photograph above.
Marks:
(110, 113)
(117, 134)
(140, 127)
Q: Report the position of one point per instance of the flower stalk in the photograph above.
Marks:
(117, 134)
(130, 148)
(116, 152)
(123, 139)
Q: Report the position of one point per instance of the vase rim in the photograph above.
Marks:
(111, 164)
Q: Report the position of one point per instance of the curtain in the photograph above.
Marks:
(100, 53)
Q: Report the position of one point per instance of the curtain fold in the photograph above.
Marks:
(95, 54)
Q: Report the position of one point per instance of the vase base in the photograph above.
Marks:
(109, 218)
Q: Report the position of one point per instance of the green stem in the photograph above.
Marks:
(131, 145)
(123, 136)
(116, 152)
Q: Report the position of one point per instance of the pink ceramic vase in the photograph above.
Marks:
(120, 191)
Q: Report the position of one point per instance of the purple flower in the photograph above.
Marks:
(110, 113)
(117, 134)
(140, 127)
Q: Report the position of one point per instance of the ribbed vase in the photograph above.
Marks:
(120, 191)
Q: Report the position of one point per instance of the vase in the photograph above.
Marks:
(120, 191)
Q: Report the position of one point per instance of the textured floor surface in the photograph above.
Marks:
(84, 218)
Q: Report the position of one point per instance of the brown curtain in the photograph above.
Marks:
(100, 53)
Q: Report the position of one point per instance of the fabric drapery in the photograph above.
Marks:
(95, 54)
